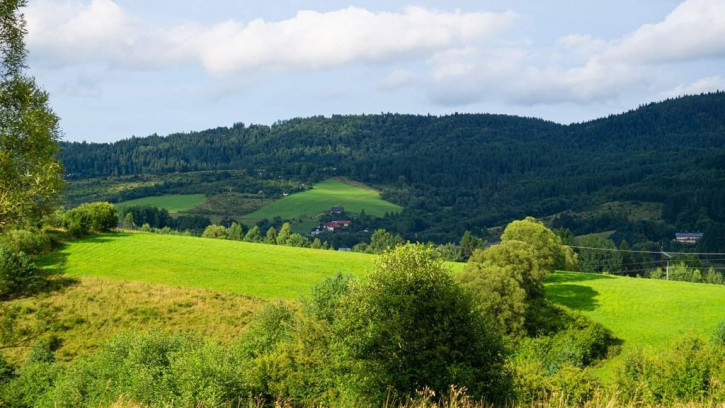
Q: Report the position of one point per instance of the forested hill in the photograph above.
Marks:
(473, 169)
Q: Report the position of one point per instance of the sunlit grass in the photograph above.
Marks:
(173, 203)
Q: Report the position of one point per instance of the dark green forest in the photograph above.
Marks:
(471, 171)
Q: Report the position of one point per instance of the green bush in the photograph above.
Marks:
(18, 274)
(91, 217)
(31, 242)
(690, 370)
(410, 326)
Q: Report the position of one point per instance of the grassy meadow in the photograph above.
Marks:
(230, 266)
(173, 203)
(85, 312)
(354, 197)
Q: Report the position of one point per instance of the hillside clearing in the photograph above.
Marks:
(173, 203)
(355, 197)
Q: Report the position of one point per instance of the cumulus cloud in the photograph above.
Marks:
(71, 31)
(695, 29)
(582, 69)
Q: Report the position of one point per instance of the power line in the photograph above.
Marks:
(648, 252)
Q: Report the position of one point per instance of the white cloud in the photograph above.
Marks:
(693, 30)
(71, 31)
(709, 84)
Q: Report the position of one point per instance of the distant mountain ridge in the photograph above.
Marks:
(481, 168)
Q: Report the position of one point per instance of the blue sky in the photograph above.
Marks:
(119, 68)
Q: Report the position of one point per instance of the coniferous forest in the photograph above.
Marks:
(467, 171)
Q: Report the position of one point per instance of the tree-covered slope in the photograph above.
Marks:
(469, 171)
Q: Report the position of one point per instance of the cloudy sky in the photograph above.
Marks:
(117, 68)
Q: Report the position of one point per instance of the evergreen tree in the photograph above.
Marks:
(271, 236)
(253, 235)
(284, 234)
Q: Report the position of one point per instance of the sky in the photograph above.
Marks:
(121, 68)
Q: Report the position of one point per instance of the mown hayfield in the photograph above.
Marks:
(172, 202)
(262, 270)
(354, 197)
(641, 311)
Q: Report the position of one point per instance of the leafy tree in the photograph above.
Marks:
(215, 231)
(550, 253)
(498, 295)
(128, 221)
(410, 326)
(316, 243)
(382, 240)
(284, 234)
(253, 235)
(713, 276)
(519, 258)
(271, 236)
(31, 175)
(297, 240)
(91, 217)
(235, 232)
(470, 243)
(605, 258)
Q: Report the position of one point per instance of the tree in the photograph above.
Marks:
(519, 258)
(410, 326)
(29, 131)
(271, 236)
(128, 221)
(253, 235)
(605, 258)
(235, 232)
(550, 253)
(215, 231)
(284, 233)
(382, 240)
(470, 243)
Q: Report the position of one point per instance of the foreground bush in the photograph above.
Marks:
(18, 274)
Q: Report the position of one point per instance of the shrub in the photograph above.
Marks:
(91, 217)
(31, 242)
(18, 274)
(215, 231)
(410, 326)
(690, 370)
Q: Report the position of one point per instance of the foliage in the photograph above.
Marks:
(284, 234)
(689, 370)
(409, 326)
(381, 241)
(91, 217)
(520, 259)
(18, 274)
(31, 174)
(547, 247)
(253, 235)
(29, 241)
(469, 244)
(215, 231)
(605, 258)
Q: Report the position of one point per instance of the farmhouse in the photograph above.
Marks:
(688, 237)
(333, 225)
(337, 210)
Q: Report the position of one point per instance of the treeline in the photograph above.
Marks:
(468, 171)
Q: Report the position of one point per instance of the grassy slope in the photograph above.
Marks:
(329, 193)
(172, 202)
(231, 266)
(641, 311)
(85, 312)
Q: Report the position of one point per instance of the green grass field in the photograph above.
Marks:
(641, 311)
(232, 266)
(333, 192)
(638, 311)
(172, 202)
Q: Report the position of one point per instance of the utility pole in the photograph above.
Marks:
(667, 268)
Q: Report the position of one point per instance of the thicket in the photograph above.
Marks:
(91, 217)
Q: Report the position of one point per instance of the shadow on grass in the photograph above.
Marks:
(576, 297)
